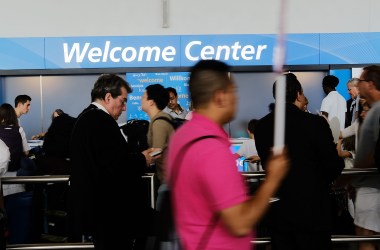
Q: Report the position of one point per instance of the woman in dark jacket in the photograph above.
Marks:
(56, 146)
(57, 138)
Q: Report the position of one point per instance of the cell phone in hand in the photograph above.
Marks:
(155, 153)
(274, 199)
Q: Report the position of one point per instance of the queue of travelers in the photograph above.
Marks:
(216, 212)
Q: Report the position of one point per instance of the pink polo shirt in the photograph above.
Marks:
(207, 182)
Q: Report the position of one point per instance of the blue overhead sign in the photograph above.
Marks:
(112, 52)
(249, 50)
(185, 50)
(176, 51)
(22, 53)
(302, 49)
(237, 50)
(350, 48)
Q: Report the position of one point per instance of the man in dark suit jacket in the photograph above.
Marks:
(349, 113)
(106, 189)
(353, 103)
(301, 219)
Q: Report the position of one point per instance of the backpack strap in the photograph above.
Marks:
(165, 119)
(178, 160)
(173, 178)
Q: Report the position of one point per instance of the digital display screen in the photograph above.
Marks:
(139, 81)
(240, 164)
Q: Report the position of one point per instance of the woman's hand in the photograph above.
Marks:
(150, 160)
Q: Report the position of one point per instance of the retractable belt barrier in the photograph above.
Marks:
(257, 241)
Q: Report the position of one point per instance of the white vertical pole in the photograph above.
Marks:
(279, 118)
(279, 59)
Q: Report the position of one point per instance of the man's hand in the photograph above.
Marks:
(253, 158)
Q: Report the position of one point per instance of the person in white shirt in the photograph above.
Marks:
(22, 105)
(334, 104)
(248, 149)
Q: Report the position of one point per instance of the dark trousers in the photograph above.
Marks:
(113, 238)
(300, 240)
(102, 243)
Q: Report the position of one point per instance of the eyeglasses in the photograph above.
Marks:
(365, 80)
(122, 100)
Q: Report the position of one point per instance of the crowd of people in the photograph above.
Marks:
(212, 209)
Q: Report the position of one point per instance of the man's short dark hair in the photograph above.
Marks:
(172, 90)
(206, 77)
(330, 81)
(372, 73)
(109, 83)
(293, 87)
(22, 99)
(271, 106)
(158, 94)
(251, 124)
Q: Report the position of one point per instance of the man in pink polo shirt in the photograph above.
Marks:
(211, 206)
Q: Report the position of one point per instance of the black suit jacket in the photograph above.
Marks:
(57, 138)
(106, 187)
(349, 113)
(304, 194)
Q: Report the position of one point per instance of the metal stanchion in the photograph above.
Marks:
(258, 241)
(55, 246)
